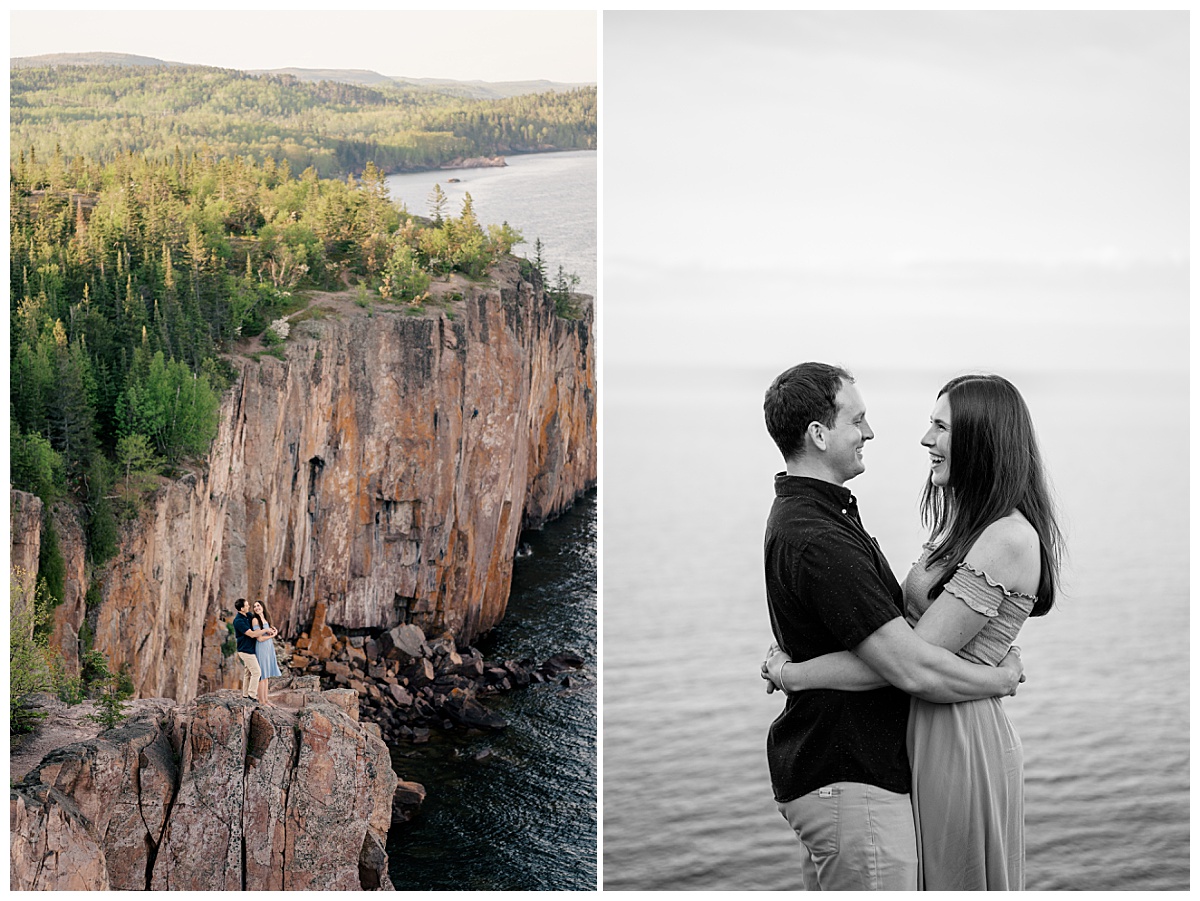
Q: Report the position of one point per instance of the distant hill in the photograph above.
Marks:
(96, 58)
(490, 90)
(100, 111)
(472, 90)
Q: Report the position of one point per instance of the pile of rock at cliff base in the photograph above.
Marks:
(218, 794)
(409, 684)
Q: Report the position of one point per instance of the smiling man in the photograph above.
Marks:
(839, 766)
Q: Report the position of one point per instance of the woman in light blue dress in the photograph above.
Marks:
(264, 650)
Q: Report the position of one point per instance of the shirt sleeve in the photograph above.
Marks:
(843, 585)
(976, 590)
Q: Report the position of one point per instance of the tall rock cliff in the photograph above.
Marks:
(384, 469)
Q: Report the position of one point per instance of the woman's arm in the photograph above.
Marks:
(840, 670)
(1007, 551)
(913, 665)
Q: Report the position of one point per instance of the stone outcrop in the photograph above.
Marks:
(218, 794)
(25, 531)
(377, 477)
(475, 162)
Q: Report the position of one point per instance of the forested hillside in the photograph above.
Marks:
(103, 111)
(160, 214)
(129, 278)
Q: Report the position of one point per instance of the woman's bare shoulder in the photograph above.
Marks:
(1009, 552)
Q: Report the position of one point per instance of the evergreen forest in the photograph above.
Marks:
(157, 216)
(100, 112)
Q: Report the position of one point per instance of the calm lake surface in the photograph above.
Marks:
(524, 817)
(551, 196)
(1104, 717)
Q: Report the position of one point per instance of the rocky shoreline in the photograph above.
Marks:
(475, 162)
(409, 684)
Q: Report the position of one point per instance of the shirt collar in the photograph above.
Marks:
(798, 486)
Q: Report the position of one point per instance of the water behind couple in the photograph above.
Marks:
(893, 760)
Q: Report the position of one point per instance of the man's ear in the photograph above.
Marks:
(816, 433)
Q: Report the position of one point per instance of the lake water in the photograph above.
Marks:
(688, 468)
(524, 817)
(551, 196)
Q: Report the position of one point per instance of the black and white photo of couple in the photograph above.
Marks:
(929, 264)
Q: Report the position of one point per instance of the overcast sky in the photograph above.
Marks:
(461, 45)
(895, 189)
(891, 137)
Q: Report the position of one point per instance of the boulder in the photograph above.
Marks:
(321, 640)
(561, 662)
(420, 672)
(520, 671)
(400, 696)
(404, 643)
(339, 671)
(443, 645)
(407, 801)
(473, 715)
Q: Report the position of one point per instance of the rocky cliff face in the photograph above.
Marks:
(24, 536)
(219, 794)
(384, 469)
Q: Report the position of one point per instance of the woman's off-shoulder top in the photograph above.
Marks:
(1006, 610)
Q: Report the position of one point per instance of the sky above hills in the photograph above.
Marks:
(945, 190)
(456, 44)
(891, 138)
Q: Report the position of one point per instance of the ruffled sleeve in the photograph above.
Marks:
(978, 591)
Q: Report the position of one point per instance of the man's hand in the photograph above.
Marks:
(1012, 661)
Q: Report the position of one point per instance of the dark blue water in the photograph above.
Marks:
(524, 816)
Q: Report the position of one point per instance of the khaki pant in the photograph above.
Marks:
(855, 836)
(251, 676)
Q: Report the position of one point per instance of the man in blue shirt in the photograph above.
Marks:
(246, 640)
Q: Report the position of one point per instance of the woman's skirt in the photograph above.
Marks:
(265, 652)
(968, 796)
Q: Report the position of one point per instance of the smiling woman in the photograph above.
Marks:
(937, 439)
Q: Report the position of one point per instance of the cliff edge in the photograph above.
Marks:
(384, 470)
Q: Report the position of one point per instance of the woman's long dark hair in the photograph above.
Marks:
(995, 468)
(264, 618)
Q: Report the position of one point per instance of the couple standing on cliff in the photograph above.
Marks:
(255, 649)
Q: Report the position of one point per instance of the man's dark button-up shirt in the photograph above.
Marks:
(245, 643)
(828, 588)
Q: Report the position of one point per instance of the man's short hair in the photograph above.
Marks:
(239, 605)
(802, 395)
